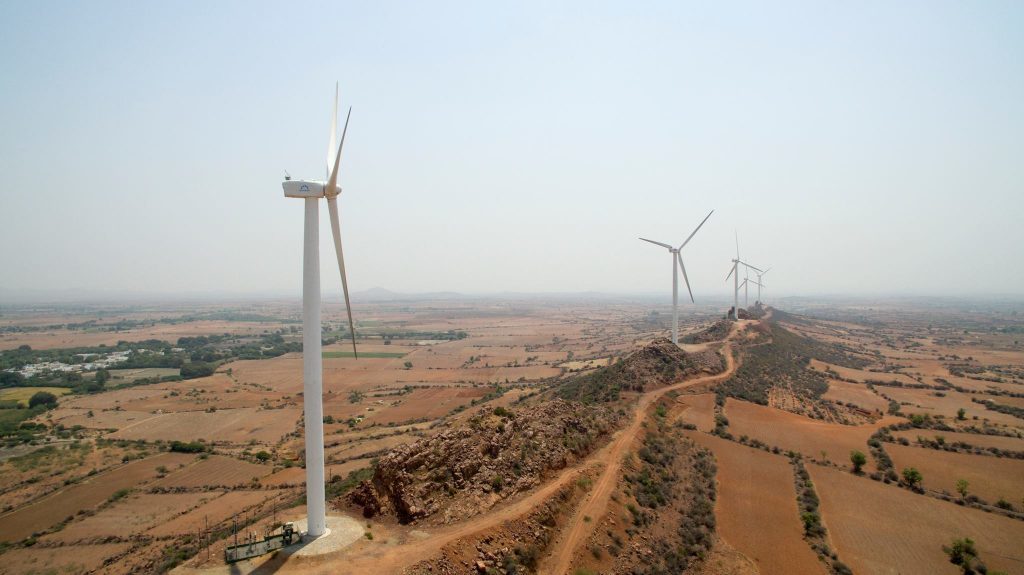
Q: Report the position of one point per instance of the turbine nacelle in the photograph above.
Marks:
(307, 189)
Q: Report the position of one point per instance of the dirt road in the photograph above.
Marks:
(578, 530)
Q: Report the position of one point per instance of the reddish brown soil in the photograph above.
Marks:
(794, 432)
(134, 514)
(857, 394)
(755, 491)
(989, 477)
(216, 470)
(52, 509)
(879, 528)
(698, 410)
(74, 559)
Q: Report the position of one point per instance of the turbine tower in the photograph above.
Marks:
(677, 264)
(759, 283)
(312, 363)
(735, 273)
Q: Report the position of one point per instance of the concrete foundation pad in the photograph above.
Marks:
(342, 531)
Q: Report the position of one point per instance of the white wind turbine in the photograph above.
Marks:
(735, 273)
(759, 283)
(677, 264)
(312, 362)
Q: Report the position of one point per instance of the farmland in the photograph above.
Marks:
(756, 489)
(880, 529)
(138, 472)
(23, 394)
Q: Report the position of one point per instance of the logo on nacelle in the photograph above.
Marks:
(304, 188)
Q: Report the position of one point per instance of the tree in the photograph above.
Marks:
(44, 398)
(262, 455)
(962, 553)
(102, 376)
(961, 487)
(961, 414)
(11, 379)
(912, 476)
(408, 365)
(196, 369)
(858, 459)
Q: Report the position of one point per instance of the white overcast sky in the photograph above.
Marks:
(857, 147)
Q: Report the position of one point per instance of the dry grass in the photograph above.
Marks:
(132, 515)
(229, 425)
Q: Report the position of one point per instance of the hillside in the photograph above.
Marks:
(774, 372)
(465, 470)
(656, 364)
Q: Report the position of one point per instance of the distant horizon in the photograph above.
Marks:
(379, 294)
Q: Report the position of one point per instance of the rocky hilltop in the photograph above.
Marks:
(495, 454)
(715, 332)
(656, 364)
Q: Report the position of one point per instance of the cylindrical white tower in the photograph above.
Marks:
(736, 288)
(675, 298)
(312, 373)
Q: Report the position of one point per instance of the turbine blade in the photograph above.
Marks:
(750, 266)
(737, 244)
(695, 231)
(766, 271)
(334, 134)
(333, 181)
(657, 243)
(332, 207)
(685, 279)
(732, 269)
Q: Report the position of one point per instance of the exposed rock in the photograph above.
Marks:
(464, 471)
(715, 332)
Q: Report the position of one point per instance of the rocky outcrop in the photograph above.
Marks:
(657, 364)
(465, 470)
(715, 332)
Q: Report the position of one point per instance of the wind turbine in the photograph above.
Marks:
(759, 283)
(735, 273)
(677, 264)
(312, 363)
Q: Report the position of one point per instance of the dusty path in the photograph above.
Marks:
(577, 531)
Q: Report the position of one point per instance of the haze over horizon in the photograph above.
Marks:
(857, 149)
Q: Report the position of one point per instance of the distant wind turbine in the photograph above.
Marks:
(312, 362)
(735, 274)
(760, 283)
(677, 264)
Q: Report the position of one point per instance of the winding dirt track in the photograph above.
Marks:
(376, 558)
(577, 531)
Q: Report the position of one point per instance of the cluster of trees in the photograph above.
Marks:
(195, 356)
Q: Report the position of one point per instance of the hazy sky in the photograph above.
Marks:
(857, 147)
